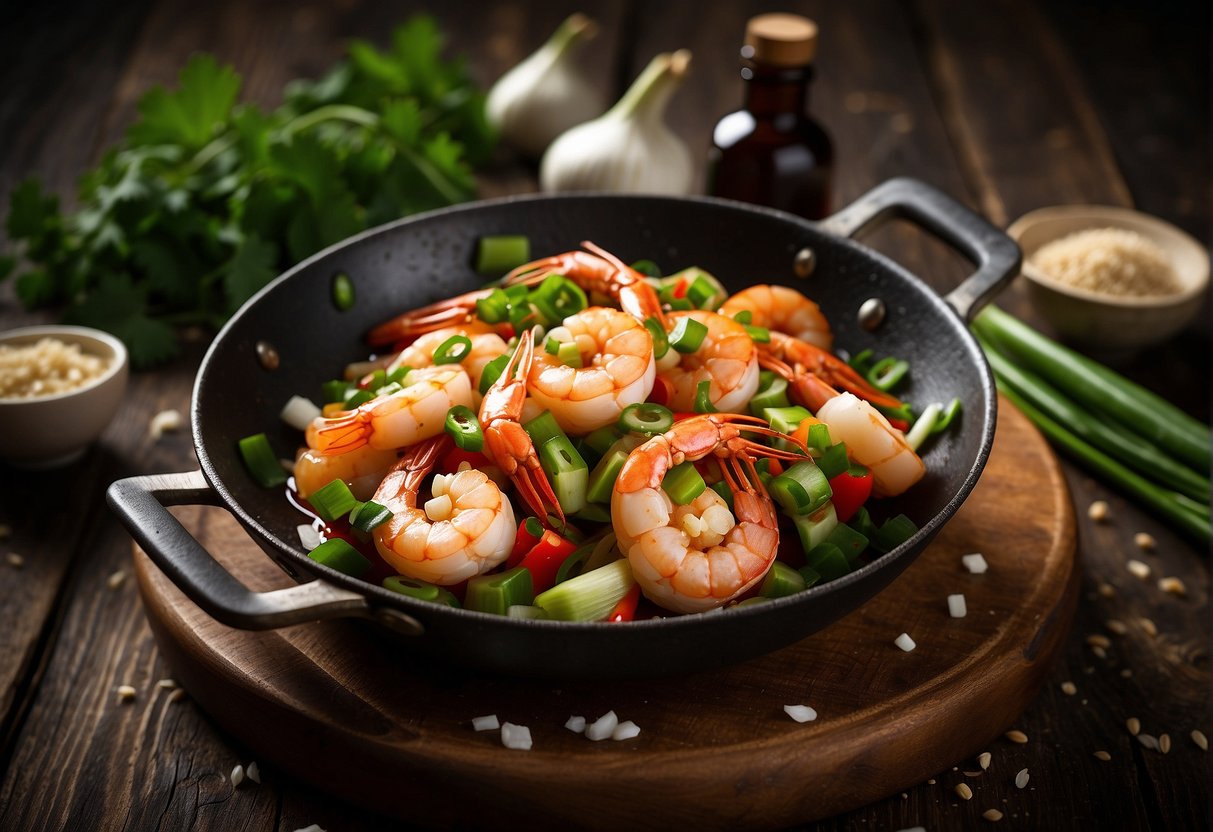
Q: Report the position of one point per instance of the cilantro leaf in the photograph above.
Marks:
(118, 306)
(31, 211)
(189, 116)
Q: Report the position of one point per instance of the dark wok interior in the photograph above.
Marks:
(418, 261)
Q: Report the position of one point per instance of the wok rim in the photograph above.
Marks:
(900, 557)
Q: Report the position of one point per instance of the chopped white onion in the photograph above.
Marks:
(800, 713)
(956, 606)
(309, 538)
(602, 727)
(576, 724)
(517, 737)
(237, 776)
(486, 723)
(905, 642)
(299, 412)
(625, 731)
(163, 421)
(253, 771)
(975, 563)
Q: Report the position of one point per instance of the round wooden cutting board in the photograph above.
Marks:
(342, 705)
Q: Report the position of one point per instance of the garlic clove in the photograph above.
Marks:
(629, 149)
(545, 94)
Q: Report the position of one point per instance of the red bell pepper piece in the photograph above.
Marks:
(529, 533)
(662, 390)
(850, 492)
(450, 462)
(544, 559)
(625, 610)
(680, 288)
(901, 424)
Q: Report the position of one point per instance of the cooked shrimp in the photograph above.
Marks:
(727, 359)
(597, 270)
(506, 443)
(362, 469)
(394, 421)
(466, 529)
(873, 442)
(456, 311)
(699, 556)
(617, 369)
(783, 310)
(486, 345)
(800, 362)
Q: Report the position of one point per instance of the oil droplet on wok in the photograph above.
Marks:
(267, 355)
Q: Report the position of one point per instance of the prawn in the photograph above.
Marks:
(784, 310)
(617, 370)
(396, 420)
(872, 442)
(727, 359)
(466, 529)
(362, 469)
(698, 556)
(597, 270)
(456, 311)
(486, 345)
(801, 363)
(505, 441)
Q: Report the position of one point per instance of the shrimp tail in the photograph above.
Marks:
(444, 313)
(340, 434)
(406, 476)
(507, 444)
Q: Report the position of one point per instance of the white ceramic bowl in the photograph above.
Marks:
(54, 430)
(1110, 322)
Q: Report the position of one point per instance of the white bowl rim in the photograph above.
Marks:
(51, 330)
(1113, 213)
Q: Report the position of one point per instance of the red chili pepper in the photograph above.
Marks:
(678, 417)
(455, 456)
(850, 492)
(544, 559)
(662, 390)
(530, 532)
(901, 424)
(625, 610)
(680, 288)
(774, 467)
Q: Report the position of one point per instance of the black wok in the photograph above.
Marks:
(421, 259)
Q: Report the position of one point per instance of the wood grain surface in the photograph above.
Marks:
(716, 750)
(1008, 106)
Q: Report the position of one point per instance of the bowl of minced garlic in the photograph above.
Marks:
(59, 388)
(1111, 279)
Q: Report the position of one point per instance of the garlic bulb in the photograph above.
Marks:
(629, 148)
(546, 94)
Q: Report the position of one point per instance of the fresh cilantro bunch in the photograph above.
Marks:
(207, 200)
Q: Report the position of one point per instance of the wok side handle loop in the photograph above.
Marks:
(140, 503)
(996, 255)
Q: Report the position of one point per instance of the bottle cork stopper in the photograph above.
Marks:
(778, 39)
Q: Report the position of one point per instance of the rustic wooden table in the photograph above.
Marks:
(1008, 106)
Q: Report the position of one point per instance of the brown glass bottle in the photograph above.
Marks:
(771, 152)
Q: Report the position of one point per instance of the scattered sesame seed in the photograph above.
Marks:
(1021, 779)
(167, 684)
(1017, 736)
(1145, 541)
(975, 563)
(1103, 755)
(992, 815)
(1199, 738)
(1069, 688)
(1100, 652)
(800, 713)
(1098, 511)
(983, 760)
(1126, 673)
(177, 695)
(1172, 585)
(126, 693)
(931, 782)
(1149, 741)
(485, 723)
(972, 774)
(905, 642)
(964, 791)
(15, 560)
(625, 730)
(1164, 743)
(1141, 570)
(1148, 625)
(254, 772)
(116, 580)
(237, 775)
(956, 606)
(1098, 640)
(1134, 725)
(1107, 591)
(162, 422)
(1116, 626)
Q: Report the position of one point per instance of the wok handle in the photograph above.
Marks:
(140, 503)
(996, 255)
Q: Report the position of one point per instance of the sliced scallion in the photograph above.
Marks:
(774, 394)
(566, 471)
(498, 253)
(420, 590)
(453, 350)
(893, 532)
(683, 483)
(333, 500)
(464, 428)
(745, 317)
(494, 308)
(815, 528)
(498, 592)
(887, 372)
(557, 297)
(703, 398)
(569, 354)
(781, 580)
(590, 596)
(336, 553)
(802, 489)
(646, 418)
(759, 334)
(343, 291)
(833, 460)
(829, 561)
(687, 334)
(647, 268)
(492, 371)
(368, 516)
(661, 342)
(261, 460)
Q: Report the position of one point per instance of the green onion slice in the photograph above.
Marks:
(492, 371)
(261, 460)
(336, 553)
(333, 500)
(368, 516)
(495, 308)
(688, 334)
(647, 268)
(759, 334)
(703, 399)
(661, 343)
(498, 253)
(557, 297)
(464, 428)
(745, 317)
(683, 483)
(453, 350)
(887, 372)
(343, 291)
(647, 418)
